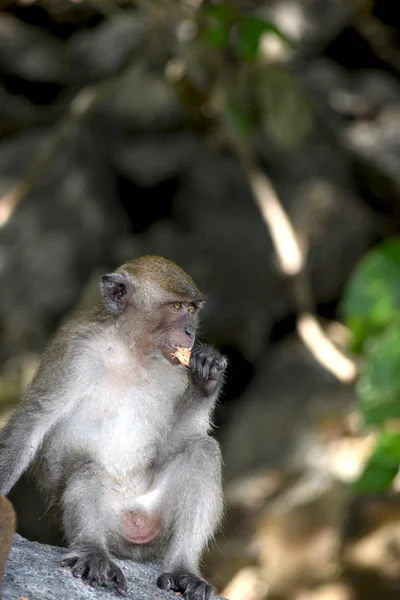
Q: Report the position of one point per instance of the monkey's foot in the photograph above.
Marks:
(190, 586)
(97, 569)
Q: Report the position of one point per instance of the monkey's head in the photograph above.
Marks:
(154, 298)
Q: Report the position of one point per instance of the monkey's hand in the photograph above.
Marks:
(207, 366)
(97, 569)
(190, 586)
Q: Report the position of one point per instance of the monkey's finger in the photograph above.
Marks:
(204, 366)
(202, 591)
(164, 581)
(219, 365)
(117, 575)
(95, 577)
(69, 562)
(80, 569)
(222, 363)
(213, 372)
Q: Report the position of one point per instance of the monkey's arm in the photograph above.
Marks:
(49, 398)
(19, 441)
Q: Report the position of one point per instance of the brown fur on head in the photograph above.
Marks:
(164, 273)
(154, 292)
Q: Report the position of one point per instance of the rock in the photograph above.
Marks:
(310, 23)
(360, 112)
(298, 535)
(141, 101)
(334, 226)
(339, 97)
(17, 112)
(99, 52)
(33, 571)
(151, 159)
(327, 87)
(31, 53)
(375, 147)
(54, 238)
(287, 415)
(68, 15)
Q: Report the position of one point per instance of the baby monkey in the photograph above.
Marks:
(119, 430)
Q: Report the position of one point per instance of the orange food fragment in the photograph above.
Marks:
(183, 355)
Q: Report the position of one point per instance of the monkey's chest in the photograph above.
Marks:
(122, 433)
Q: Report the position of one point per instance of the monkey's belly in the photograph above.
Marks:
(139, 527)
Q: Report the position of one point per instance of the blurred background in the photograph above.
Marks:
(256, 144)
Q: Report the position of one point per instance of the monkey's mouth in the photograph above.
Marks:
(179, 354)
(175, 347)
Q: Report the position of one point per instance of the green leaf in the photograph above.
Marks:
(382, 466)
(218, 20)
(372, 298)
(378, 387)
(216, 34)
(220, 12)
(250, 31)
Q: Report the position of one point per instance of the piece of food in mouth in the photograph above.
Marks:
(183, 355)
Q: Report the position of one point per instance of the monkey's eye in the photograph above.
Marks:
(192, 309)
(177, 305)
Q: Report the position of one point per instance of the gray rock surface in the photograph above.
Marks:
(33, 571)
(101, 51)
(143, 101)
(31, 53)
(310, 23)
(148, 160)
(285, 416)
(56, 236)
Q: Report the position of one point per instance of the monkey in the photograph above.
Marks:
(120, 432)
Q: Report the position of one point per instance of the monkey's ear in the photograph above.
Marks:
(113, 288)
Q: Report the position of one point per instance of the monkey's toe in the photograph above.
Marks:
(115, 574)
(96, 570)
(165, 581)
(190, 586)
(69, 561)
(78, 566)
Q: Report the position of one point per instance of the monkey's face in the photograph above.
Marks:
(157, 306)
(177, 327)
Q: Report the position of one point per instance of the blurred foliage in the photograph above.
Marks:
(371, 307)
(234, 85)
(222, 22)
(372, 299)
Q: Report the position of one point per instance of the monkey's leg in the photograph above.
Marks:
(193, 510)
(86, 512)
